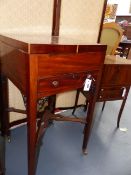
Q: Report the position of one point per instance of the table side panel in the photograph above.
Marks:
(68, 63)
(116, 75)
(56, 47)
(14, 65)
(52, 48)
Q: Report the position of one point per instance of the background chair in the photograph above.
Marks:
(111, 36)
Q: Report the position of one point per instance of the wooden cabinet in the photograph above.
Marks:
(116, 79)
(114, 85)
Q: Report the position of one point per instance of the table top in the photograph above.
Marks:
(30, 42)
(113, 59)
(44, 39)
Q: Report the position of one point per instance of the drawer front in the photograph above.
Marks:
(119, 75)
(57, 84)
(110, 93)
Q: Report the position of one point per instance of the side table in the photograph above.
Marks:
(42, 66)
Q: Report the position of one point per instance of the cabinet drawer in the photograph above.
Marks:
(57, 84)
(111, 93)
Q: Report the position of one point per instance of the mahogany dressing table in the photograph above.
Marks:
(42, 66)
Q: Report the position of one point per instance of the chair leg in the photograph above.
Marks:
(76, 101)
(103, 105)
(122, 107)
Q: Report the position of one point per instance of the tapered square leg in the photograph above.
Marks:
(88, 125)
(4, 104)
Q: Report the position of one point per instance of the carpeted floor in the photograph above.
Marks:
(109, 149)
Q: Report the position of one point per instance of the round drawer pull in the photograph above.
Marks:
(55, 83)
(100, 96)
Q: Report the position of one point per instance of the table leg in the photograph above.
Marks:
(122, 107)
(103, 105)
(31, 131)
(2, 155)
(52, 103)
(31, 95)
(76, 101)
(35, 134)
(4, 104)
(88, 125)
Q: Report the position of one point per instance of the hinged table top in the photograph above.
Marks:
(40, 43)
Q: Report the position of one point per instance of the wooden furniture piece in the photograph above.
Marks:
(125, 48)
(129, 55)
(42, 66)
(128, 32)
(120, 18)
(2, 155)
(115, 82)
(111, 35)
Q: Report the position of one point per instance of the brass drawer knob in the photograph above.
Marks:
(55, 83)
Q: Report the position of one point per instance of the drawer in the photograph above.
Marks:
(111, 93)
(57, 84)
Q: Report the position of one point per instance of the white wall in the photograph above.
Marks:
(123, 6)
